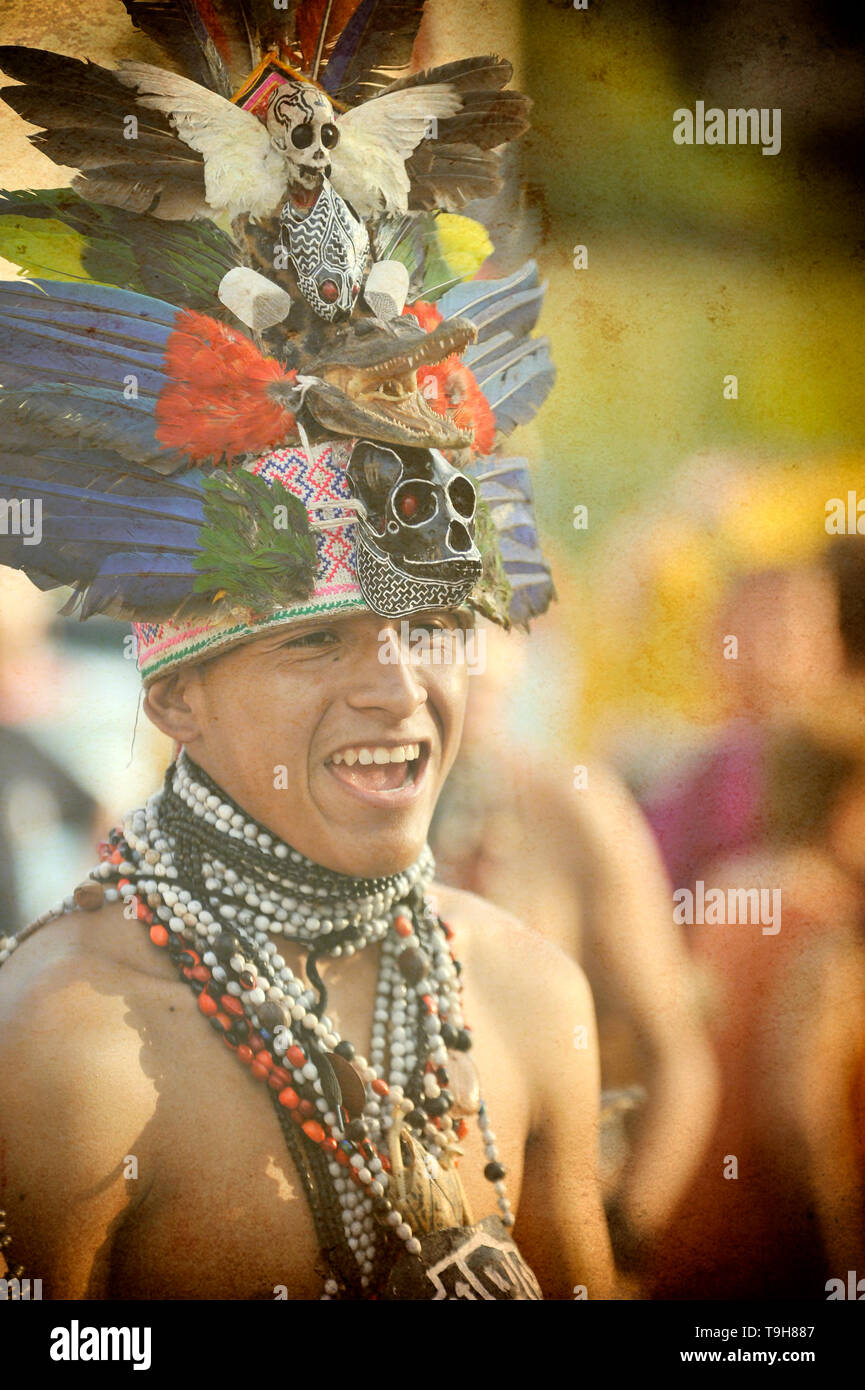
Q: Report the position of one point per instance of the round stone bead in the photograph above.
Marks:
(494, 1172)
(413, 964)
(271, 1015)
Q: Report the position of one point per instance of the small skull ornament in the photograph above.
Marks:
(416, 545)
(301, 123)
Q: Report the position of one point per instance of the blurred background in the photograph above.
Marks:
(739, 763)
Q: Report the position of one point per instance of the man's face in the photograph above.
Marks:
(297, 727)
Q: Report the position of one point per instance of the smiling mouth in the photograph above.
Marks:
(379, 767)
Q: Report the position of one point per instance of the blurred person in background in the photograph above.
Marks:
(774, 649)
(578, 864)
(768, 806)
(826, 1062)
(43, 806)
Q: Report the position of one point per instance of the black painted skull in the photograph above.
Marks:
(416, 545)
(302, 124)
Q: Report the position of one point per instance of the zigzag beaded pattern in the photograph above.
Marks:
(318, 480)
(315, 483)
(328, 241)
(391, 595)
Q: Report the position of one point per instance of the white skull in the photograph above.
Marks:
(301, 123)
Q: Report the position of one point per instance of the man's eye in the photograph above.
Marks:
(322, 637)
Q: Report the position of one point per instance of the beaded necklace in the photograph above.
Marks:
(374, 1142)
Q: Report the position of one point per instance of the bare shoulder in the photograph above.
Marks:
(104, 939)
(74, 1097)
(607, 814)
(69, 995)
(511, 962)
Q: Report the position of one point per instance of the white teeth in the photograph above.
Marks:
(406, 752)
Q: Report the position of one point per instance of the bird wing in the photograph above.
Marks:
(242, 171)
(84, 113)
(376, 139)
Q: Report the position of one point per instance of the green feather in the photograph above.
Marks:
(416, 244)
(492, 594)
(57, 235)
(256, 543)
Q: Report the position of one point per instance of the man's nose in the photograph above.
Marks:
(387, 679)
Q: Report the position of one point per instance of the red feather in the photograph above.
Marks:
(456, 393)
(217, 401)
(311, 16)
(214, 29)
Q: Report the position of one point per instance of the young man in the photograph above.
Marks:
(268, 1054)
(141, 1157)
(103, 1055)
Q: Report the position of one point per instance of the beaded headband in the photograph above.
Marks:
(318, 478)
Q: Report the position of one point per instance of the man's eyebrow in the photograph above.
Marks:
(435, 613)
(298, 629)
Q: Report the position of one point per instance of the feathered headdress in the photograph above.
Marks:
(249, 381)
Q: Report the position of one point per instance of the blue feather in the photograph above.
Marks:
(73, 352)
(40, 460)
(474, 298)
(516, 314)
(93, 416)
(505, 486)
(513, 370)
(517, 383)
(124, 540)
(344, 51)
(126, 303)
(159, 584)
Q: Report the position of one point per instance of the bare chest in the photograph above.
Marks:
(225, 1215)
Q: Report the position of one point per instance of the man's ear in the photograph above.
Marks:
(170, 704)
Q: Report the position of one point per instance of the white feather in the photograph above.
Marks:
(376, 139)
(242, 170)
